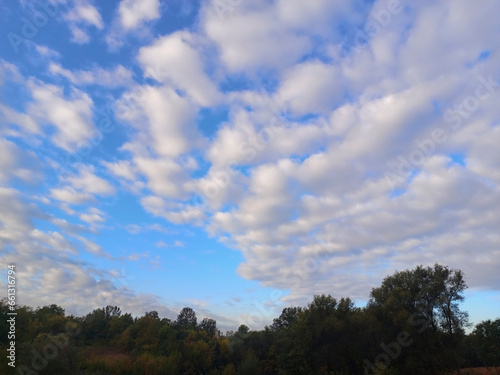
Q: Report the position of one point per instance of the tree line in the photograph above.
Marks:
(412, 325)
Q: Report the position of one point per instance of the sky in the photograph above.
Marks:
(239, 156)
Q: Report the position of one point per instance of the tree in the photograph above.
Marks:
(431, 293)
(118, 324)
(243, 329)
(209, 326)
(486, 341)
(322, 336)
(423, 303)
(152, 314)
(287, 319)
(42, 312)
(250, 365)
(146, 332)
(111, 311)
(186, 319)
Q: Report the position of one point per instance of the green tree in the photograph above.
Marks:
(229, 370)
(486, 342)
(287, 319)
(433, 294)
(146, 329)
(424, 304)
(209, 326)
(42, 312)
(95, 326)
(250, 366)
(112, 311)
(186, 319)
(243, 329)
(325, 329)
(118, 324)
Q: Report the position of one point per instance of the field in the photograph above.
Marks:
(481, 371)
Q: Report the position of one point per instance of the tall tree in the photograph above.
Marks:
(433, 294)
(423, 303)
(287, 319)
(186, 319)
(209, 326)
(486, 342)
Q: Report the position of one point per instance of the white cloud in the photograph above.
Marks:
(175, 59)
(47, 52)
(334, 200)
(176, 213)
(294, 176)
(261, 34)
(93, 248)
(17, 124)
(133, 13)
(16, 163)
(455, 45)
(254, 137)
(50, 272)
(165, 166)
(89, 182)
(80, 188)
(79, 18)
(85, 13)
(484, 156)
(165, 177)
(254, 39)
(92, 216)
(221, 186)
(312, 87)
(116, 77)
(132, 20)
(121, 169)
(72, 116)
(9, 72)
(171, 135)
(68, 194)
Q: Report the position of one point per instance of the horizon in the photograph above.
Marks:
(239, 157)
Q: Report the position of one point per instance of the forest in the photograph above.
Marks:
(412, 325)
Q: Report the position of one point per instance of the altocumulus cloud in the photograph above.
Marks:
(266, 136)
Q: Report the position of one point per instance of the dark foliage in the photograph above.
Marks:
(411, 325)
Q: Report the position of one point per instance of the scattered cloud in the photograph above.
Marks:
(109, 78)
(307, 155)
(70, 115)
(175, 59)
(80, 17)
(93, 215)
(132, 17)
(135, 12)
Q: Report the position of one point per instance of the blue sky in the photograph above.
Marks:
(241, 156)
